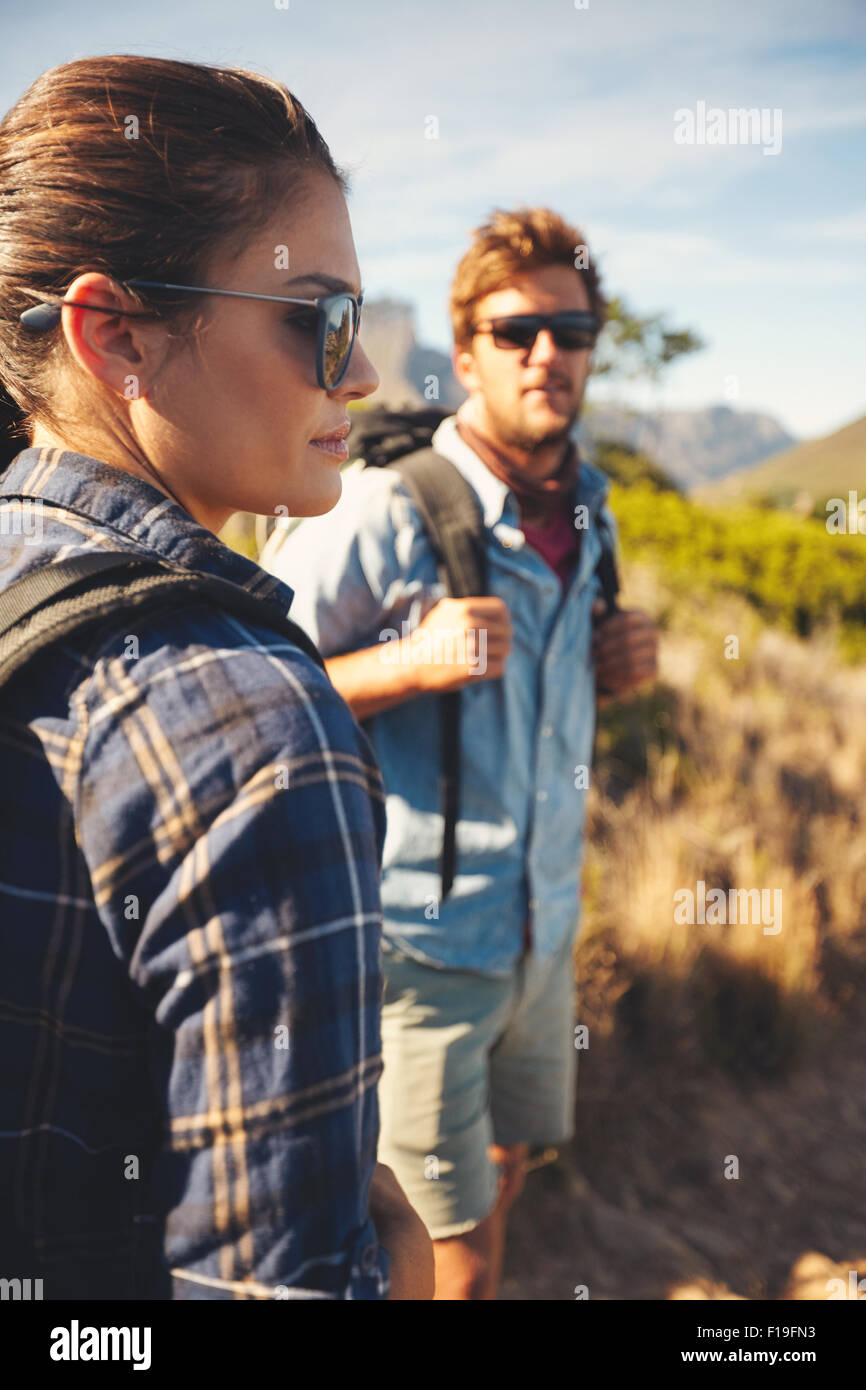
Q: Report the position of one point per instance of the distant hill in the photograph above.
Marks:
(808, 474)
(693, 446)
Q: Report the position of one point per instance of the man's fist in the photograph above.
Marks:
(461, 640)
(624, 649)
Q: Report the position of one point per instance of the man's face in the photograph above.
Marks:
(527, 397)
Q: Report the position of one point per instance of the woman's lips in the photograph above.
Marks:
(333, 445)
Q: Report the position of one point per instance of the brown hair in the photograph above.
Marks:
(212, 150)
(507, 245)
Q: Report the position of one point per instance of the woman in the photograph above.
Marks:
(193, 822)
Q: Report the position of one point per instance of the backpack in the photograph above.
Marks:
(453, 521)
(60, 600)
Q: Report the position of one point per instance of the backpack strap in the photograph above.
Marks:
(60, 600)
(608, 578)
(451, 513)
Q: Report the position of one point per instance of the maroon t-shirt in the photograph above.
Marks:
(558, 543)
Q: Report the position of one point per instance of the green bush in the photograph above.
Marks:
(791, 570)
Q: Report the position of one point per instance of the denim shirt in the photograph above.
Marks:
(190, 974)
(363, 570)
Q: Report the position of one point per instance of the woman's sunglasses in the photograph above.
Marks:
(338, 316)
(571, 330)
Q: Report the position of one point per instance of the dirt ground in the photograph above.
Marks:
(638, 1205)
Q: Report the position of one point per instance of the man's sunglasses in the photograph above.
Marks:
(572, 330)
(336, 317)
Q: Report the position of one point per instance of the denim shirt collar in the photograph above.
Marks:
(138, 513)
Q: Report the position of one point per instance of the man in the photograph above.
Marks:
(478, 1024)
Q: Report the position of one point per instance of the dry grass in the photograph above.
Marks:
(708, 1042)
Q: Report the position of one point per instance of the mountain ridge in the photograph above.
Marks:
(812, 471)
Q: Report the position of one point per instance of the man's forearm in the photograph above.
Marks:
(375, 678)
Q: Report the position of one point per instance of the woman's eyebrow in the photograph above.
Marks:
(329, 282)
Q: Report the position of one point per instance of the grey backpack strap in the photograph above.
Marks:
(451, 513)
(59, 600)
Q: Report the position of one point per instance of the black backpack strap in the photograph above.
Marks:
(62, 599)
(608, 578)
(451, 513)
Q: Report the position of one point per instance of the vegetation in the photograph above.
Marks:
(628, 466)
(790, 569)
(635, 346)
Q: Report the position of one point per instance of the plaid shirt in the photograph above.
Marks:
(192, 829)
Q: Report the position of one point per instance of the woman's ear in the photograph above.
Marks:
(107, 340)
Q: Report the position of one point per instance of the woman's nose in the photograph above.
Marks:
(361, 379)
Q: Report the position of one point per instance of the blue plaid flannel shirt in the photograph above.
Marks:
(191, 829)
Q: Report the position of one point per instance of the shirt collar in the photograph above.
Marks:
(497, 499)
(121, 504)
(493, 493)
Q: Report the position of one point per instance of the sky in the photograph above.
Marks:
(573, 104)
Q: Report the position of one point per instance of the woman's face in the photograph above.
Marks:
(231, 418)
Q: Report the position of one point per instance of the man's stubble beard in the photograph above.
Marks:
(513, 437)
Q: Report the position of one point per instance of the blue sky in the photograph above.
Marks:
(539, 101)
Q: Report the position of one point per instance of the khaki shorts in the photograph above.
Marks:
(471, 1061)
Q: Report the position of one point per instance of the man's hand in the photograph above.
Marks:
(624, 649)
(458, 641)
(403, 1234)
(461, 640)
